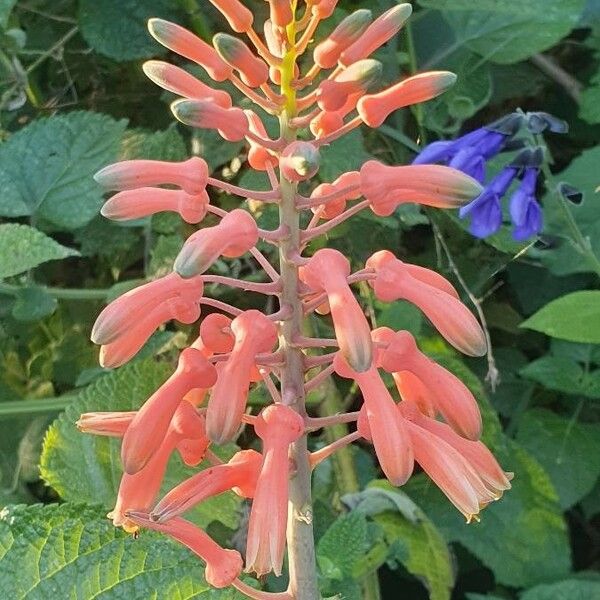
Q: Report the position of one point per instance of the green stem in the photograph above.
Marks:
(17, 408)
(60, 293)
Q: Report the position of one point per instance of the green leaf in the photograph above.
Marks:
(566, 257)
(46, 168)
(589, 107)
(522, 538)
(71, 551)
(153, 145)
(347, 154)
(86, 468)
(563, 375)
(574, 317)
(23, 247)
(508, 32)
(32, 304)
(571, 589)
(117, 28)
(568, 450)
(349, 532)
(6, 7)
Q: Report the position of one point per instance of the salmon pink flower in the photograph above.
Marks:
(233, 236)
(383, 29)
(190, 175)
(146, 201)
(328, 271)
(222, 566)
(325, 123)
(300, 161)
(254, 334)
(431, 185)
(216, 334)
(109, 424)
(240, 19)
(259, 157)
(451, 397)
(386, 426)
(395, 281)
(277, 426)
(180, 82)
(240, 474)
(253, 71)
(374, 109)
(185, 43)
(414, 391)
(150, 425)
(138, 491)
(231, 123)
(328, 52)
(281, 12)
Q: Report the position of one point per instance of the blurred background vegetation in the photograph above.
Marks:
(73, 98)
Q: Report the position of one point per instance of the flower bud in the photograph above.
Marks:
(253, 70)
(300, 161)
(259, 157)
(240, 19)
(377, 34)
(180, 82)
(327, 53)
(281, 12)
(333, 94)
(374, 109)
(324, 8)
(184, 42)
(325, 123)
(231, 123)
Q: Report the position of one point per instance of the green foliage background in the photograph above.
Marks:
(73, 98)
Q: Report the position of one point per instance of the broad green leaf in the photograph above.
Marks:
(6, 7)
(71, 551)
(86, 468)
(567, 449)
(589, 108)
(214, 149)
(570, 589)
(153, 145)
(349, 532)
(46, 168)
(522, 538)
(563, 375)
(346, 154)
(566, 257)
(117, 28)
(508, 32)
(574, 317)
(23, 247)
(32, 304)
(163, 255)
(399, 315)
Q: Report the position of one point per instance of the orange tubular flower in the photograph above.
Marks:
(431, 185)
(253, 71)
(386, 427)
(146, 201)
(240, 19)
(180, 82)
(374, 109)
(281, 12)
(277, 426)
(452, 398)
(259, 157)
(350, 182)
(233, 236)
(150, 425)
(413, 390)
(231, 123)
(254, 334)
(190, 175)
(222, 566)
(377, 34)
(138, 491)
(464, 470)
(395, 281)
(109, 424)
(328, 52)
(240, 474)
(184, 42)
(328, 271)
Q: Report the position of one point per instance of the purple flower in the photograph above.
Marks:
(486, 211)
(525, 212)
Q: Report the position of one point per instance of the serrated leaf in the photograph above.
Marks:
(571, 589)
(71, 551)
(349, 532)
(23, 247)
(346, 154)
(567, 449)
(117, 28)
(508, 32)
(574, 317)
(46, 168)
(32, 304)
(153, 145)
(86, 468)
(522, 538)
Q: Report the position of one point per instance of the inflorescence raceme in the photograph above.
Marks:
(204, 402)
